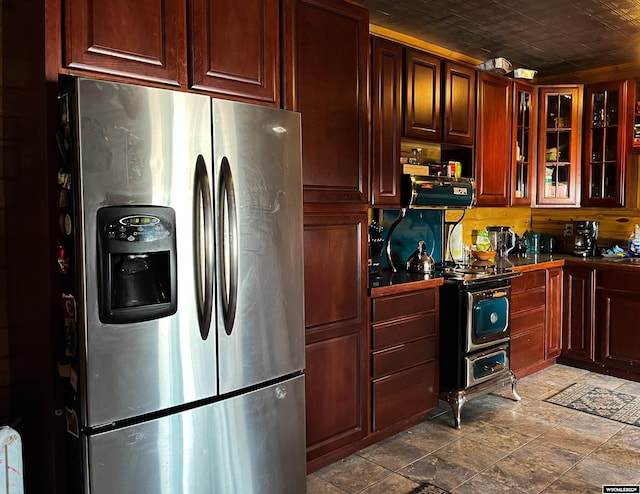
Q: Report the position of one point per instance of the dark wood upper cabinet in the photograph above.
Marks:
(459, 105)
(422, 95)
(142, 40)
(605, 139)
(386, 121)
(493, 145)
(326, 65)
(235, 48)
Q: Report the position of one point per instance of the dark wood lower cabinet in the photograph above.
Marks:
(600, 330)
(617, 309)
(528, 299)
(404, 359)
(536, 316)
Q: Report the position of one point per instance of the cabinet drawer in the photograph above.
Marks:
(402, 330)
(618, 280)
(526, 320)
(532, 279)
(403, 304)
(527, 300)
(404, 394)
(403, 356)
(527, 349)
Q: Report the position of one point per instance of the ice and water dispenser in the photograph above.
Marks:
(137, 263)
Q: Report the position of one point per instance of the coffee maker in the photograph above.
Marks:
(585, 242)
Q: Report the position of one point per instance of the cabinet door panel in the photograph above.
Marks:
(553, 317)
(235, 49)
(326, 73)
(578, 325)
(459, 104)
(618, 312)
(143, 39)
(493, 147)
(334, 285)
(422, 95)
(386, 124)
(333, 397)
(559, 145)
(523, 151)
(604, 164)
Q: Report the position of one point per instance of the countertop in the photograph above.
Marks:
(391, 283)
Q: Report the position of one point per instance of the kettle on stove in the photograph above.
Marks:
(420, 261)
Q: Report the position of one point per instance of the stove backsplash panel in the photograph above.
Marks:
(418, 224)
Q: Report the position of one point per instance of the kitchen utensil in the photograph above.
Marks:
(420, 261)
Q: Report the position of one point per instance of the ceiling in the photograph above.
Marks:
(551, 36)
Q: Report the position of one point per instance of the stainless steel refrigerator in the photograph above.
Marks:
(184, 292)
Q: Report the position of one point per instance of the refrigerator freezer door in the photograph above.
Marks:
(247, 444)
(257, 158)
(140, 146)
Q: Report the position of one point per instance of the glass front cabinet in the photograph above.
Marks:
(604, 145)
(559, 138)
(524, 144)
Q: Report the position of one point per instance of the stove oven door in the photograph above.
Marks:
(485, 365)
(487, 317)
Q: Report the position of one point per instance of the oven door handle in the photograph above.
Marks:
(495, 367)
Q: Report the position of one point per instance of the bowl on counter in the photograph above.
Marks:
(483, 255)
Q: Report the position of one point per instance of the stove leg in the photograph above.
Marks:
(456, 400)
(514, 387)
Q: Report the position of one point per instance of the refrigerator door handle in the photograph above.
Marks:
(203, 246)
(228, 233)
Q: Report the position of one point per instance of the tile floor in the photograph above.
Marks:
(503, 446)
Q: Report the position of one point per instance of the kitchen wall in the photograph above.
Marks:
(4, 330)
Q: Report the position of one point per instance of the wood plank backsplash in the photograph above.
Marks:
(615, 223)
(519, 219)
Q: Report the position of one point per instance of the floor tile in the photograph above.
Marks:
(469, 454)
(353, 474)
(503, 440)
(598, 472)
(393, 453)
(578, 441)
(436, 470)
(484, 484)
(566, 485)
(525, 476)
(393, 483)
(547, 455)
(316, 485)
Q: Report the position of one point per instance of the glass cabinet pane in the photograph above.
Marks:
(523, 133)
(564, 114)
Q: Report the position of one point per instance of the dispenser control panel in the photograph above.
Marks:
(138, 228)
